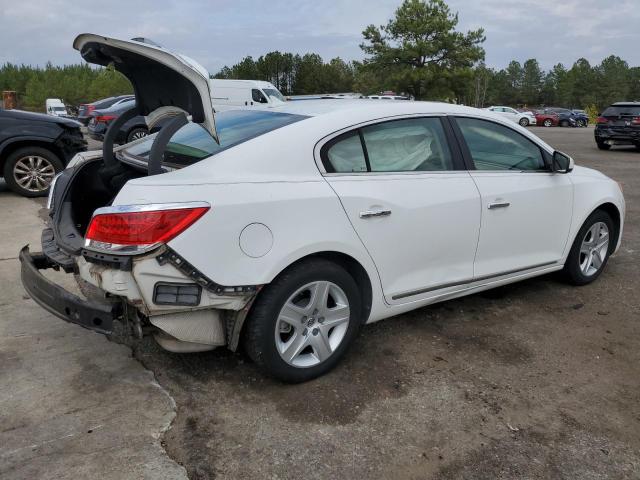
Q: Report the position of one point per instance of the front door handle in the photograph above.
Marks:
(495, 205)
(375, 213)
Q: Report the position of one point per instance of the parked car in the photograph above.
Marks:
(243, 94)
(55, 107)
(619, 124)
(547, 119)
(567, 118)
(523, 118)
(285, 230)
(133, 129)
(85, 109)
(34, 147)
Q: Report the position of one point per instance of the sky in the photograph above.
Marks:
(221, 32)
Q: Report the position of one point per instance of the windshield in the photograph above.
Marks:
(193, 143)
(622, 111)
(273, 93)
(59, 109)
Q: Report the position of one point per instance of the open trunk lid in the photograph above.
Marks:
(160, 78)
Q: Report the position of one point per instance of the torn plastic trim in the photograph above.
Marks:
(170, 256)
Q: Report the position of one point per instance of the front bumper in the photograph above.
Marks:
(94, 315)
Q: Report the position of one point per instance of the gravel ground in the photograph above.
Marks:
(533, 380)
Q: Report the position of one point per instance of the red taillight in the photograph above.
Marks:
(140, 228)
(104, 118)
(635, 121)
(90, 108)
(601, 120)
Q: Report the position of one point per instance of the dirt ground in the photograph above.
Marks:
(533, 380)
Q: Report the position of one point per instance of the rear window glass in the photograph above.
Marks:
(622, 111)
(193, 143)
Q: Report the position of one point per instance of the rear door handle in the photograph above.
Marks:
(375, 213)
(495, 205)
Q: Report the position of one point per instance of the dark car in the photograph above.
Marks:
(34, 147)
(85, 109)
(566, 117)
(619, 124)
(132, 129)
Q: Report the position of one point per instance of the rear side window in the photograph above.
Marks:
(193, 143)
(417, 144)
(622, 111)
(495, 147)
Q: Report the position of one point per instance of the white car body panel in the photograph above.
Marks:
(532, 230)
(276, 180)
(413, 247)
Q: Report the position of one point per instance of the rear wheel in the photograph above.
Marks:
(548, 123)
(136, 133)
(591, 248)
(29, 171)
(304, 321)
(603, 146)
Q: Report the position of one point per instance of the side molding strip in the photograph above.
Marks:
(467, 282)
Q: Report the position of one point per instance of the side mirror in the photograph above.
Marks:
(562, 163)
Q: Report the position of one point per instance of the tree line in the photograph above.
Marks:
(74, 84)
(419, 52)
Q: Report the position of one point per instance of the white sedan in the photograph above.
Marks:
(287, 230)
(524, 119)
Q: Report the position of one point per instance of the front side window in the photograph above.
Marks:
(257, 96)
(411, 145)
(495, 147)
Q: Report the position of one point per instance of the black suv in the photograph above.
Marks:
(34, 147)
(619, 124)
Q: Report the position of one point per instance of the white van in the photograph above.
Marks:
(55, 107)
(244, 94)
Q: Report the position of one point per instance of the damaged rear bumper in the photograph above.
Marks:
(94, 315)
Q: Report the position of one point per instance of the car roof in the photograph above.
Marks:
(315, 108)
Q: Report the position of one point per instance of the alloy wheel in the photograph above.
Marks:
(594, 249)
(34, 173)
(138, 135)
(312, 324)
(548, 123)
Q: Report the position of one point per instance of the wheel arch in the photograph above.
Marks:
(8, 148)
(616, 216)
(350, 264)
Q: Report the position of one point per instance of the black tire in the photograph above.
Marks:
(548, 123)
(603, 146)
(23, 155)
(259, 332)
(524, 122)
(136, 133)
(581, 123)
(572, 270)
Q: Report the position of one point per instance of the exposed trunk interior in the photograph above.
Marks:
(90, 186)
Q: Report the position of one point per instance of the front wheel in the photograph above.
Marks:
(603, 146)
(524, 122)
(29, 171)
(304, 321)
(581, 123)
(547, 123)
(591, 248)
